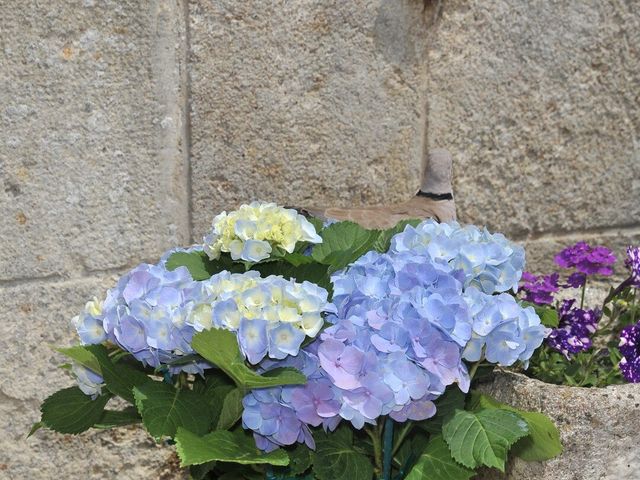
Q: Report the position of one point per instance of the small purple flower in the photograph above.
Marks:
(576, 280)
(632, 262)
(630, 349)
(575, 329)
(589, 260)
(540, 289)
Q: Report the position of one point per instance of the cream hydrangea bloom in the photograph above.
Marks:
(251, 232)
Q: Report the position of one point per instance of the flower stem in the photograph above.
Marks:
(474, 368)
(402, 435)
(387, 450)
(377, 448)
(584, 289)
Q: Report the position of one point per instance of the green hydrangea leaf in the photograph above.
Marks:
(71, 411)
(436, 463)
(335, 457)
(221, 348)
(231, 409)
(164, 408)
(483, 437)
(343, 243)
(543, 441)
(223, 446)
(80, 354)
(119, 378)
(118, 418)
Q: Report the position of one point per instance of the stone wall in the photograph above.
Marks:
(125, 125)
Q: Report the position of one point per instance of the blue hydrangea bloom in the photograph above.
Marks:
(489, 261)
(88, 381)
(503, 331)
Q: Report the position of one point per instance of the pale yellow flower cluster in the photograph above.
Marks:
(251, 232)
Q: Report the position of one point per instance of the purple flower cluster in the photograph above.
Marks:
(589, 260)
(630, 349)
(575, 329)
(539, 289)
(632, 262)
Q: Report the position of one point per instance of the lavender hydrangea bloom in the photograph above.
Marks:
(589, 260)
(396, 340)
(88, 381)
(490, 262)
(506, 331)
(575, 329)
(281, 416)
(630, 349)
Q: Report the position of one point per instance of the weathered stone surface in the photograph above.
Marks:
(306, 102)
(538, 103)
(34, 318)
(599, 429)
(92, 172)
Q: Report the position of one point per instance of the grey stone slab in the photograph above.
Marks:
(92, 167)
(599, 429)
(538, 103)
(34, 318)
(307, 102)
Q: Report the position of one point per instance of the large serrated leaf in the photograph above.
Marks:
(118, 377)
(543, 441)
(343, 243)
(224, 446)
(71, 411)
(164, 408)
(335, 457)
(436, 463)
(221, 347)
(483, 437)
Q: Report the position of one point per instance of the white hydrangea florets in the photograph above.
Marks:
(251, 232)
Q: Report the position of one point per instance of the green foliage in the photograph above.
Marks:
(82, 356)
(71, 411)
(336, 458)
(164, 408)
(221, 348)
(118, 418)
(543, 441)
(223, 446)
(231, 409)
(200, 266)
(483, 437)
(436, 463)
(119, 378)
(548, 316)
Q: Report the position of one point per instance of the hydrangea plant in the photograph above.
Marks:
(284, 348)
(588, 346)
